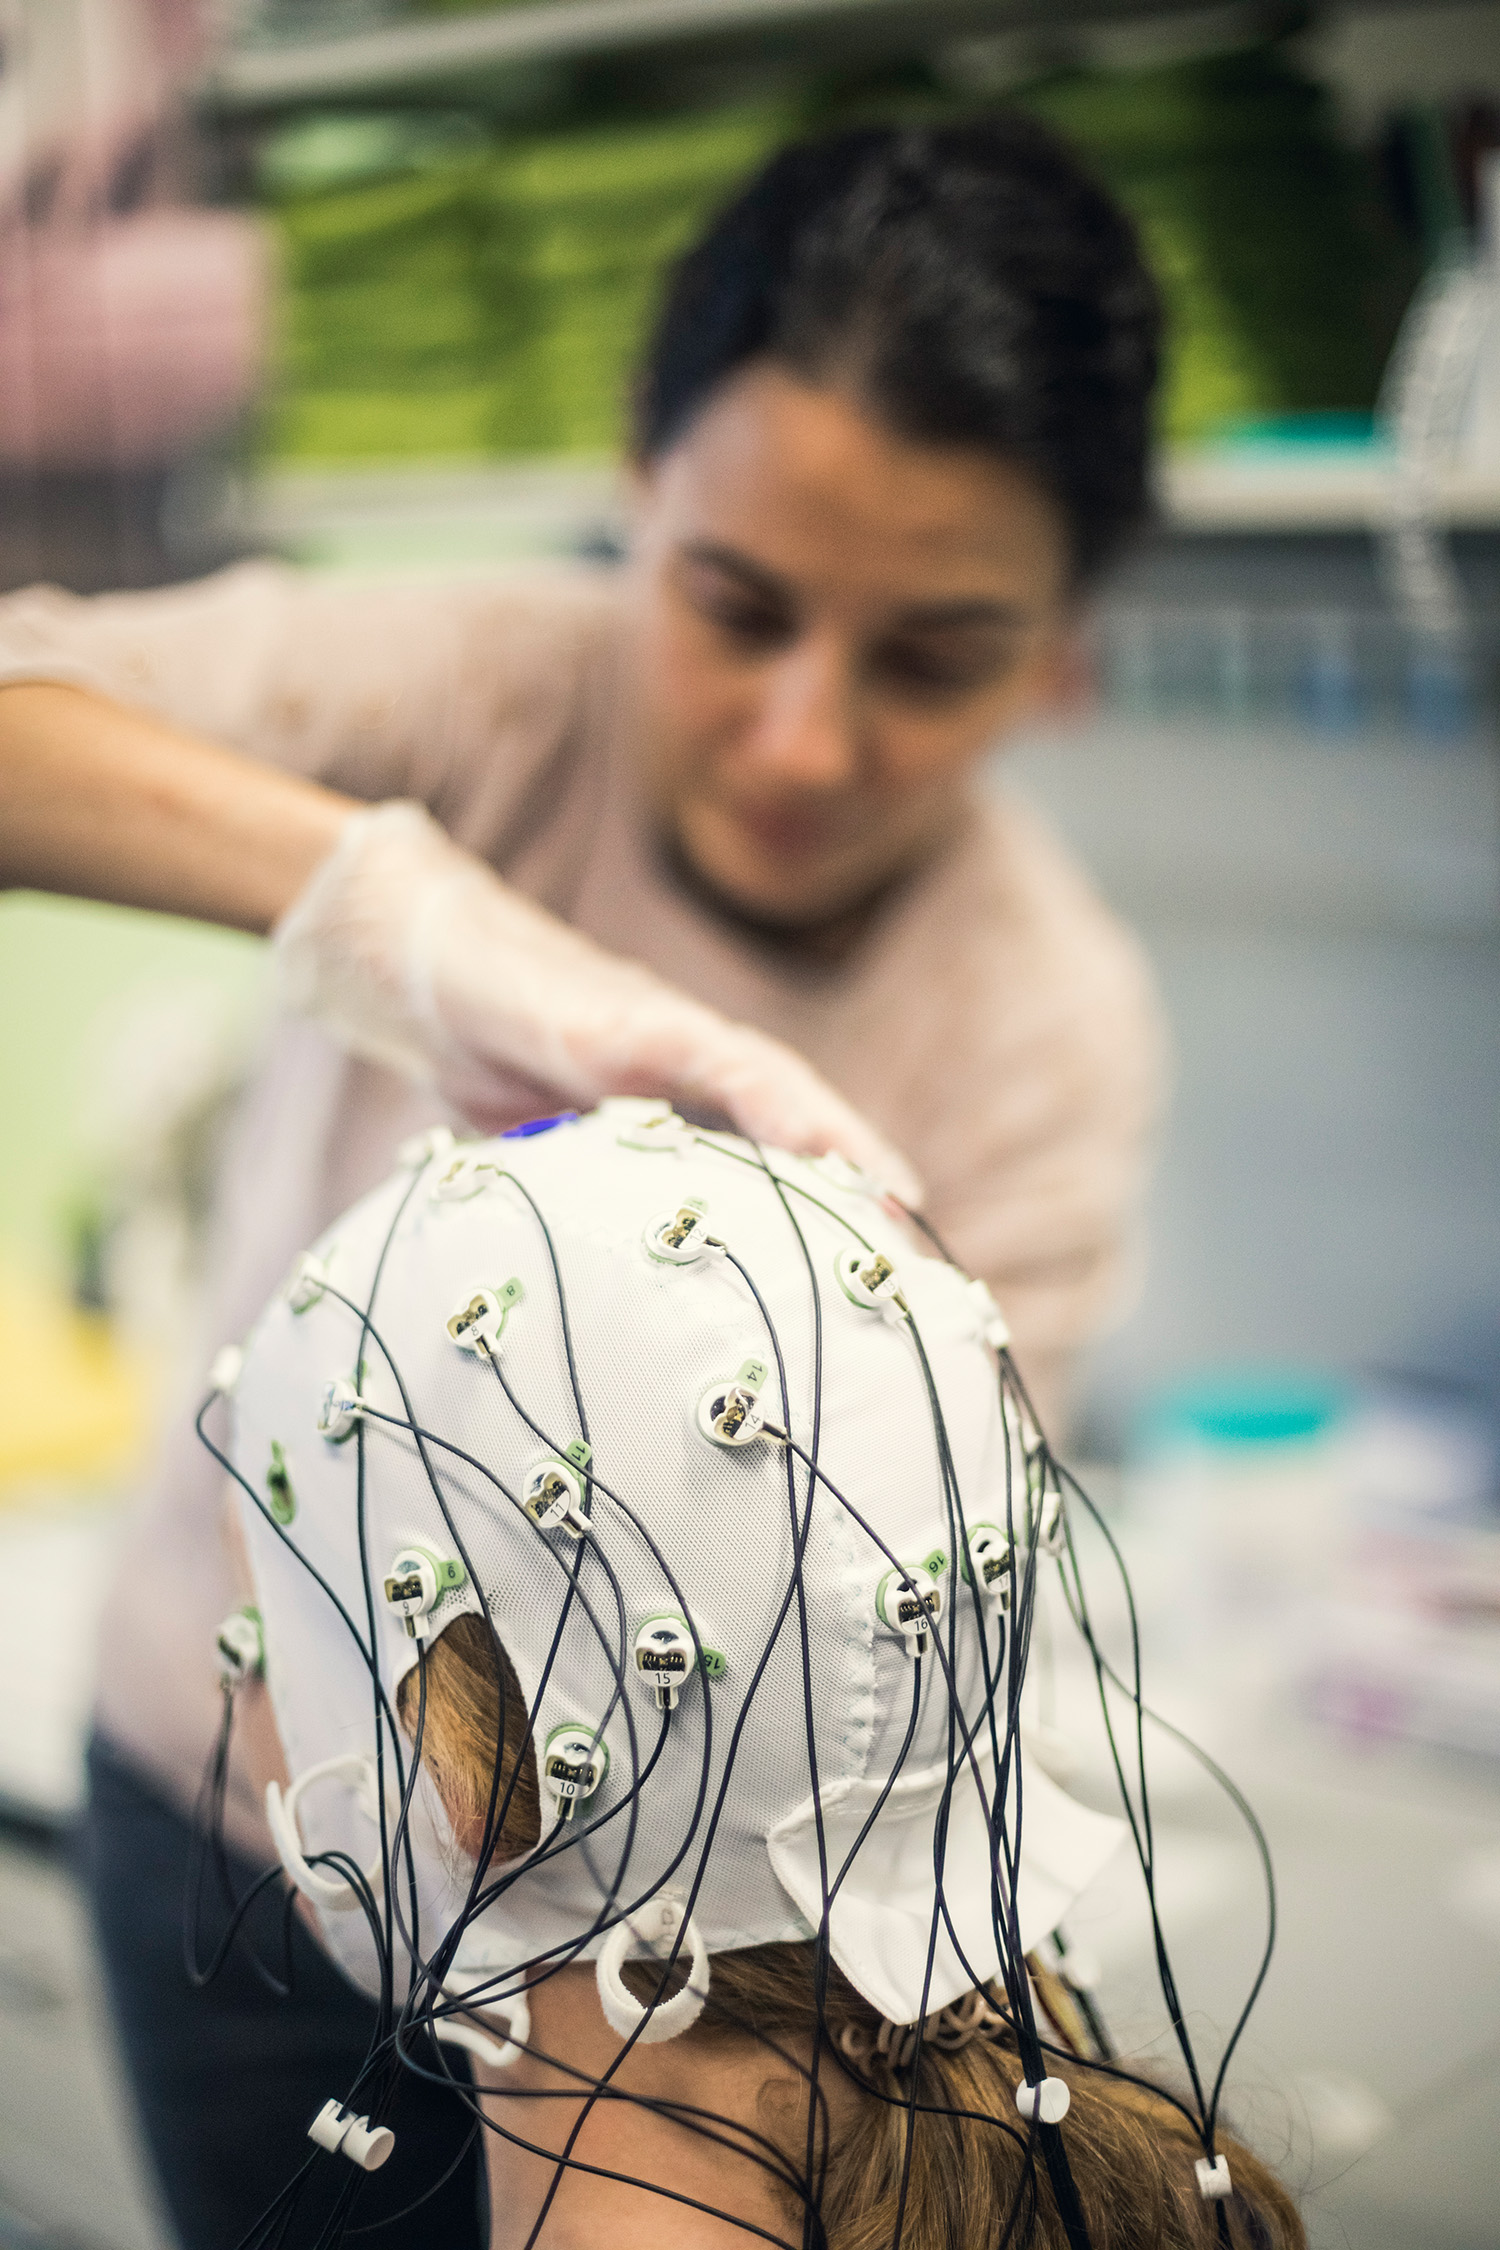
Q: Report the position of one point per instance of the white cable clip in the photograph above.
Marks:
(909, 1601)
(657, 1924)
(574, 1764)
(417, 1582)
(1047, 2102)
(552, 1494)
(680, 1237)
(989, 1319)
(729, 1412)
(342, 2133)
(241, 1645)
(307, 1284)
(224, 1374)
(421, 1148)
(475, 1325)
(665, 1655)
(1046, 1522)
(1214, 2183)
(340, 1408)
(869, 1280)
(283, 1816)
(985, 1563)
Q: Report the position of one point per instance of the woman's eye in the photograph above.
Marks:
(930, 671)
(752, 624)
(742, 616)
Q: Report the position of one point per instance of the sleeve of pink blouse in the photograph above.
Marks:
(1037, 1178)
(377, 688)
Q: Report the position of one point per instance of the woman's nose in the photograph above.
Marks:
(805, 731)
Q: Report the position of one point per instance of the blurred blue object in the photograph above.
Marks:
(1326, 431)
(1242, 1407)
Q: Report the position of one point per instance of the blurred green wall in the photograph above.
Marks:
(66, 971)
(453, 286)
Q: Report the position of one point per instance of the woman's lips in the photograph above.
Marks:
(791, 833)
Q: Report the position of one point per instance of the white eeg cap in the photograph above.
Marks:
(651, 1337)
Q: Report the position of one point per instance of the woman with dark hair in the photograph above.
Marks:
(709, 827)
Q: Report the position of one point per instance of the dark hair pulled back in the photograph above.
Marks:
(969, 282)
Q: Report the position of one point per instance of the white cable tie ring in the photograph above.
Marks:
(513, 2011)
(658, 1923)
(343, 2134)
(1214, 2183)
(1047, 2102)
(333, 1892)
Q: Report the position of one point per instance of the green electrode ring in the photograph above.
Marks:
(279, 1485)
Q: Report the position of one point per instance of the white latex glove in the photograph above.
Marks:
(415, 954)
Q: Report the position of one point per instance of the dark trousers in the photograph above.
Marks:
(228, 2079)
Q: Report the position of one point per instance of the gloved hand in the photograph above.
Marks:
(415, 954)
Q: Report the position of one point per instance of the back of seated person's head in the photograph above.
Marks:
(686, 1518)
(1131, 2151)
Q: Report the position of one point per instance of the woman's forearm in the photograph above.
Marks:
(101, 802)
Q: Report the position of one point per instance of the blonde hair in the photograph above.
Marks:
(934, 2133)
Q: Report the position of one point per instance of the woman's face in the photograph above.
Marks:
(834, 623)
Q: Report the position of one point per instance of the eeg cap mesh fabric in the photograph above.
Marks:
(802, 1727)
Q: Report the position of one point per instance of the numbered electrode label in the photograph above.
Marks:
(552, 1494)
(476, 1324)
(868, 1279)
(574, 1764)
(729, 1412)
(680, 1237)
(909, 1601)
(417, 1581)
(665, 1656)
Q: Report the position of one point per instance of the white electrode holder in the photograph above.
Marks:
(417, 1581)
(869, 1280)
(986, 1563)
(241, 1646)
(224, 1373)
(343, 2134)
(909, 1601)
(680, 1237)
(729, 1412)
(476, 1324)
(552, 1494)
(993, 1327)
(421, 1148)
(308, 1283)
(574, 1763)
(665, 1657)
(664, 1134)
(339, 1409)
